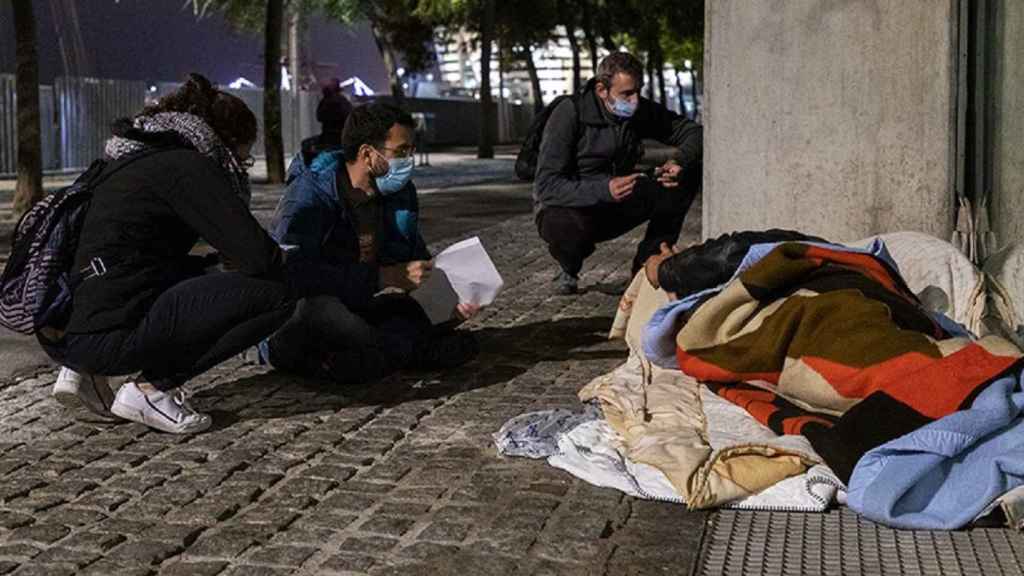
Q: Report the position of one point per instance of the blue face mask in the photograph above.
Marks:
(399, 173)
(623, 108)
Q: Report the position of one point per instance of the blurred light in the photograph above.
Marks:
(241, 83)
(687, 64)
(400, 72)
(152, 88)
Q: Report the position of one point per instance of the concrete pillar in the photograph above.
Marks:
(832, 117)
(1007, 77)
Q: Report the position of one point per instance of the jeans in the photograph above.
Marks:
(190, 328)
(325, 339)
(572, 233)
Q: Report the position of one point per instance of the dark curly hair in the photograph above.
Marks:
(227, 114)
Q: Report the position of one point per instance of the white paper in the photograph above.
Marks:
(463, 273)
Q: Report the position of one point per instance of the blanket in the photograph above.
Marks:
(833, 345)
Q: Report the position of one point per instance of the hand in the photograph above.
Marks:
(406, 277)
(622, 186)
(653, 262)
(465, 311)
(668, 174)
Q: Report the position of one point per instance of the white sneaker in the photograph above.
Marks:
(77, 390)
(167, 411)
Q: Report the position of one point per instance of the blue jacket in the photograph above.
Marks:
(312, 216)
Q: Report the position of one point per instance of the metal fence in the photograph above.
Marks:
(76, 113)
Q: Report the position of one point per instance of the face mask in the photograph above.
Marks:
(623, 108)
(399, 172)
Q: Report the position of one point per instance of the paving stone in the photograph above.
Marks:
(145, 552)
(367, 544)
(10, 519)
(427, 551)
(61, 555)
(106, 567)
(193, 568)
(223, 544)
(36, 503)
(19, 550)
(46, 570)
(441, 531)
(94, 541)
(387, 525)
(281, 555)
(42, 533)
(348, 563)
(346, 501)
(6, 567)
(332, 522)
(75, 516)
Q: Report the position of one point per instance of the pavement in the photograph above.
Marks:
(305, 477)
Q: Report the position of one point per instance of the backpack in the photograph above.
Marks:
(526, 161)
(37, 281)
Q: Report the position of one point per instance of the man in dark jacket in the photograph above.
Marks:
(586, 190)
(354, 210)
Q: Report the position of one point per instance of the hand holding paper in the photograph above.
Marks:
(463, 273)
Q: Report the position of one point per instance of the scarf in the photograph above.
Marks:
(131, 136)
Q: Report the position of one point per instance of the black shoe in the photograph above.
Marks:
(566, 284)
(445, 350)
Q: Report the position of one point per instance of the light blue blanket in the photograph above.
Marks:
(941, 476)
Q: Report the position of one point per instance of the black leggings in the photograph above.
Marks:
(192, 327)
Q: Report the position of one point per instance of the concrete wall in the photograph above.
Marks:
(1007, 208)
(834, 117)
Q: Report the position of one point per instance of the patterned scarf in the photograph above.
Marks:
(187, 127)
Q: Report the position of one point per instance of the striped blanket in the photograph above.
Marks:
(833, 345)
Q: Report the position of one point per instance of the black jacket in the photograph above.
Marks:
(575, 171)
(144, 220)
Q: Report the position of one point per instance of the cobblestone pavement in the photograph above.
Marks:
(300, 477)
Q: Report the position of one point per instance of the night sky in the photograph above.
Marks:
(159, 40)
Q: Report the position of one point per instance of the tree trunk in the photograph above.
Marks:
(390, 64)
(588, 33)
(531, 69)
(659, 63)
(574, 45)
(486, 144)
(273, 144)
(502, 111)
(29, 188)
(649, 64)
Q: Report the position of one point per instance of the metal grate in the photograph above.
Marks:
(841, 543)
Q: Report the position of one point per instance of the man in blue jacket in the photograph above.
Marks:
(353, 212)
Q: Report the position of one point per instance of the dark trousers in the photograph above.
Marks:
(190, 328)
(325, 339)
(572, 233)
